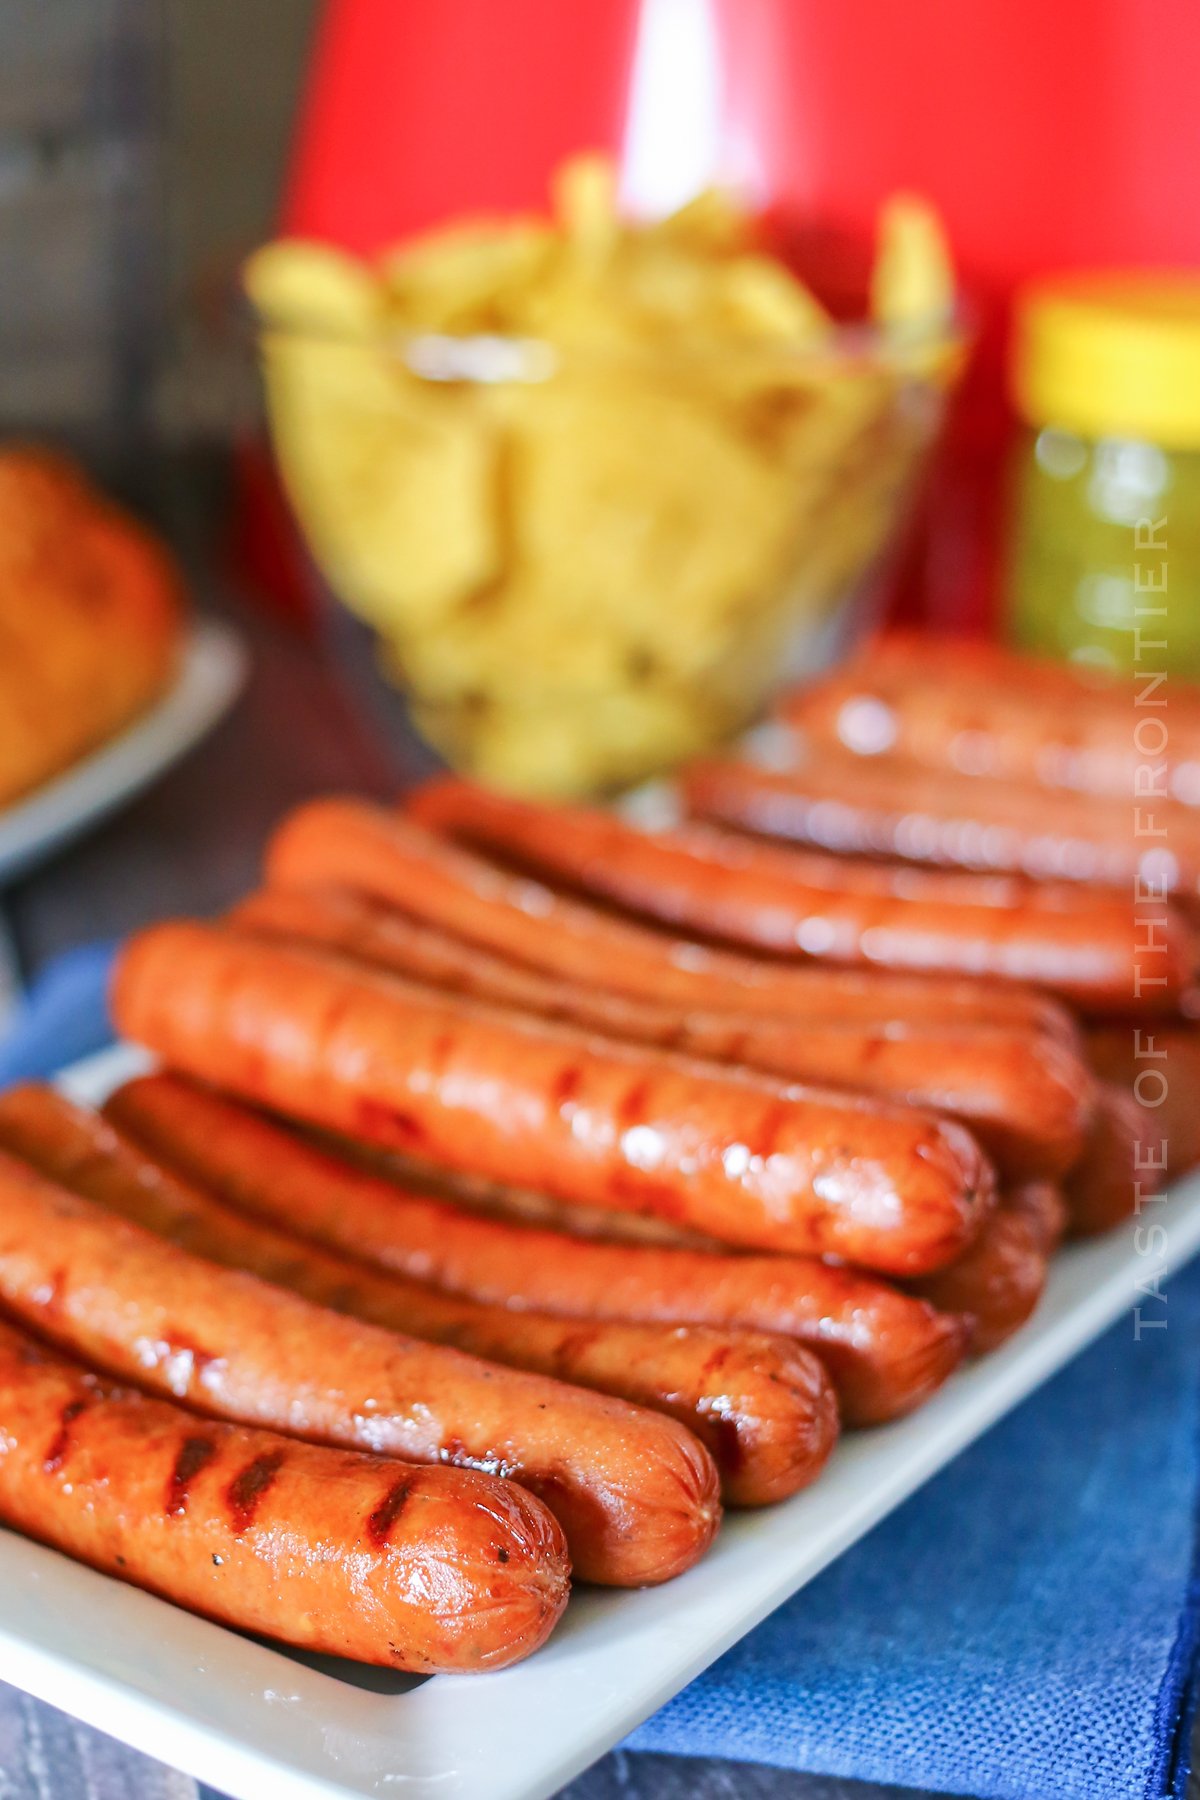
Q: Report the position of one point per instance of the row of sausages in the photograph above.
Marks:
(208, 1255)
(525, 1186)
(961, 756)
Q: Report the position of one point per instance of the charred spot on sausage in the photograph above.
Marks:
(566, 1084)
(397, 1127)
(767, 1136)
(634, 1102)
(61, 1442)
(381, 1521)
(194, 1454)
(245, 1492)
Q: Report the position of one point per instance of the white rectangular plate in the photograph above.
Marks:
(211, 670)
(252, 1720)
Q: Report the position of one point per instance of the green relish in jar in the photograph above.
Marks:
(1104, 538)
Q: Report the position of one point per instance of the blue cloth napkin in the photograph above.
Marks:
(62, 1017)
(1025, 1626)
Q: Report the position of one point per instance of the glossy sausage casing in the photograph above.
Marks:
(635, 1493)
(427, 1570)
(351, 844)
(763, 897)
(883, 806)
(886, 1351)
(742, 1158)
(1025, 1094)
(763, 1406)
(976, 709)
(999, 1280)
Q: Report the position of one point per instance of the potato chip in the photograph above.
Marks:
(912, 282)
(314, 287)
(470, 278)
(713, 223)
(393, 477)
(641, 505)
(765, 300)
(585, 206)
(588, 477)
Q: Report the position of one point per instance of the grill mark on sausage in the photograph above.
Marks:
(574, 1345)
(337, 1011)
(381, 1521)
(195, 1453)
(640, 1193)
(766, 1138)
(394, 1123)
(634, 1102)
(51, 1299)
(245, 1492)
(715, 1362)
(566, 1084)
(61, 1441)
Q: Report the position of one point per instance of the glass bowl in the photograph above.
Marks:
(586, 563)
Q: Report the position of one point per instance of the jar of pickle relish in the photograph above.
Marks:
(1104, 533)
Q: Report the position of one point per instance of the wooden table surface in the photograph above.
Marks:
(190, 845)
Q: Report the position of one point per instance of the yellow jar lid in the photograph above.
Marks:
(1111, 356)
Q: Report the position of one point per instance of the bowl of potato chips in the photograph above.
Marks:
(598, 486)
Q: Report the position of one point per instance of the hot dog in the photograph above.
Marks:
(882, 806)
(981, 711)
(726, 886)
(886, 1351)
(519, 834)
(761, 1405)
(427, 1570)
(999, 1280)
(974, 662)
(1124, 1162)
(1026, 1096)
(634, 1492)
(347, 843)
(742, 1158)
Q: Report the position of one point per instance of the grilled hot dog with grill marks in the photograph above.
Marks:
(758, 896)
(635, 1492)
(885, 1350)
(1026, 1096)
(348, 843)
(743, 1158)
(427, 1570)
(763, 1406)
